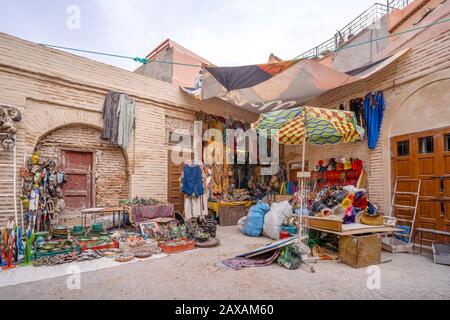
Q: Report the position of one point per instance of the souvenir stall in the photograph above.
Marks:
(332, 199)
(131, 229)
(229, 190)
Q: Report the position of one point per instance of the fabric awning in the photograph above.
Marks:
(278, 86)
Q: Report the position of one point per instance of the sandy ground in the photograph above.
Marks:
(197, 276)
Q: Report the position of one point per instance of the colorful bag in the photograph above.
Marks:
(290, 257)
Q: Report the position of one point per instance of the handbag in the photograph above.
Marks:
(372, 221)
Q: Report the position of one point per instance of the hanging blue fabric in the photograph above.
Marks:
(374, 109)
(290, 188)
(192, 181)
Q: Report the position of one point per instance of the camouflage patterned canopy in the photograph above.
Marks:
(317, 126)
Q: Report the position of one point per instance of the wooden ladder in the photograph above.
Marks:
(395, 245)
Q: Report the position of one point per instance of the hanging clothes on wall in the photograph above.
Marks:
(357, 106)
(192, 207)
(194, 190)
(207, 182)
(192, 181)
(111, 117)
(374, 109)
(118, 116)
(127, 111)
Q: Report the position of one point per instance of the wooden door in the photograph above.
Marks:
(428, 170)
(175, 195)
(294, 169)
(78, 167)
(444, 184)
(424, 156)
(403, 168)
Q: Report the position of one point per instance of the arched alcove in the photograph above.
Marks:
(425, 109)
(109, 175)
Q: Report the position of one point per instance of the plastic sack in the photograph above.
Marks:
(254, 223)
(274, 219)
(290, 257)
(241, 222)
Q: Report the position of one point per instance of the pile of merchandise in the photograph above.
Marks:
(201, 229)
(163, 229)
(60, 232)
(240, 195)
(56, 247)
(67, 258)
(141, 202)
(338, 172)
(43, 198)
(347, 204)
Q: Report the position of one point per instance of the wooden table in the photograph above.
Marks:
(356, 232)
(102, 211)
(358, 245)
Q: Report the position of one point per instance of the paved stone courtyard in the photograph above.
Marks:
(195, 275)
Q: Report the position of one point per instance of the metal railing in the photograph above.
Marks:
(369, 18)
(398, 4)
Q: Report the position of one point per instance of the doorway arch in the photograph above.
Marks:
(108, 173)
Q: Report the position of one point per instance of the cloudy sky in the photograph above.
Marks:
(226, 32)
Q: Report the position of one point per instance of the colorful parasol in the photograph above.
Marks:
(314, 125)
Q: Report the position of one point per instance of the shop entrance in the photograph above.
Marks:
(175, 196)
(78, 166)
(425, 156)
(174, 193)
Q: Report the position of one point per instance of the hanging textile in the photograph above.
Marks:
(193, 181)
(357, 106)
(193, 207)
(111, 117)
(280, 85)
(126, 110)
(374, 109)
(118, 116)
(261, 261)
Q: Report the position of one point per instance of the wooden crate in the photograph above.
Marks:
(325, 224)
(229, 216)
(184, 245)
(360, 251)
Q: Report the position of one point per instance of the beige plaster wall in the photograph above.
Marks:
(54, 89)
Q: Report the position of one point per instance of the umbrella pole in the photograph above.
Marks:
(302, 185)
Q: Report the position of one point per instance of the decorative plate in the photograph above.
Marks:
(124, 258)
(143, 254)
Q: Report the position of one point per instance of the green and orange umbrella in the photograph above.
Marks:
(314, 125)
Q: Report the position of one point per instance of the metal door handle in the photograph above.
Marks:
(442, 209)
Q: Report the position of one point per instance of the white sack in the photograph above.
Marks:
(274, 219)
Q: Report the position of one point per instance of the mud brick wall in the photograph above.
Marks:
(110, 175)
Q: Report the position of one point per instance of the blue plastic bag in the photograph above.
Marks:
(254, 225)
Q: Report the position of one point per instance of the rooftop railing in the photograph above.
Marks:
(369, 18)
